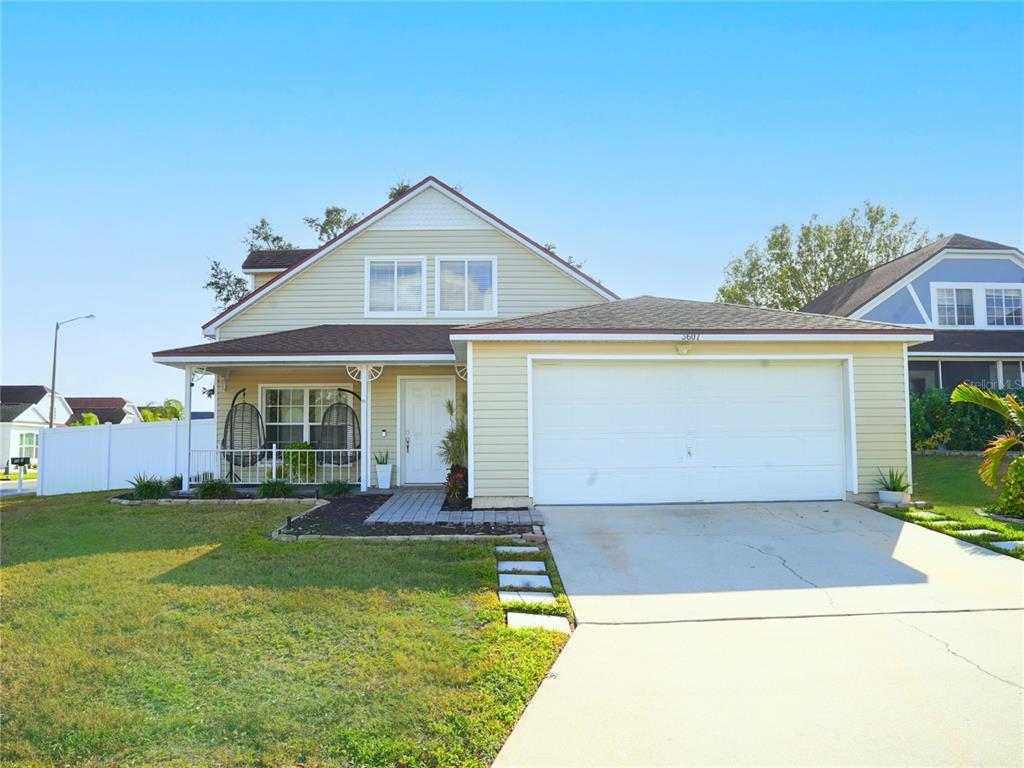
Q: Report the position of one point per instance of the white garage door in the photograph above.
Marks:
(651, 431)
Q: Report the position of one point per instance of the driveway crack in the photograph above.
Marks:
(950, 651)
(785, 564)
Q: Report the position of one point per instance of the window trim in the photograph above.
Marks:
(492, 312)
(34, 448)
(422, 312)
(984, 295)
(978, 301)
(306, 424)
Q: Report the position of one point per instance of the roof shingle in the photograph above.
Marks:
(280, 258)
(988, 342)
(650, 313)
(848, 296)
(423, 339)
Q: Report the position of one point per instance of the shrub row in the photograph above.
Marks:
(935, 422)
(152, 487)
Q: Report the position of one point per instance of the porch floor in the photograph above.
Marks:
(424, 506)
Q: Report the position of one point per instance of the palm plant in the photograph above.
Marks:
(87, 419)
(1007, 406)
(166, 411)
(454, 447)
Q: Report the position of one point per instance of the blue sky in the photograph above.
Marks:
(652, 141)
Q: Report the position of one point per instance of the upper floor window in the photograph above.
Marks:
(955, 306)
(395, 287)
(466, 286)
(1003, 306)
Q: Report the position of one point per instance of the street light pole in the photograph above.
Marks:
(53, 371)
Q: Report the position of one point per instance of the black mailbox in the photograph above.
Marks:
(20, 461)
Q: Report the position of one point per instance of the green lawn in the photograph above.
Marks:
(951, 483)
(29, 475)
(184, 636)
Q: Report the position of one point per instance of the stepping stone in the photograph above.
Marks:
(523, 566)
(513, 550)
(976, 532)
(942, 522)
(528, 620)
(523, 580)
(924, 515)
(526, 597)
(1009, 546)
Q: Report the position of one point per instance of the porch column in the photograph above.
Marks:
(999, 374)
(364, 427)
(187, 474)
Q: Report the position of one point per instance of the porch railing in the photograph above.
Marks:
(301, 466)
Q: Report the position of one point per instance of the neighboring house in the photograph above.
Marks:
(574, 396)
(109, 410)
(967, 291)
(24, 410)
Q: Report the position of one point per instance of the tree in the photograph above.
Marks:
(399, 189)
(785, 274)
(87, 419)
(335, 221)
(1007, 406)
(166, 411)
(263, 236)
(227, 287)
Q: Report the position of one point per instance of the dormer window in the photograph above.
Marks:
(1003, 306)
(466, 286)
(395, 287)
(955, 306)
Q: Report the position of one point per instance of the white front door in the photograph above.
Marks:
(424, 421)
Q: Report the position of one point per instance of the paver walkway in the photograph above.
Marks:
(424, 506)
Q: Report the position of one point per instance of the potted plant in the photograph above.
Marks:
(380, 458)
(892, 486)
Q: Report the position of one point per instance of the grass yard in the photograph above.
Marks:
(184, 636)
(29, 475)
(951, 483)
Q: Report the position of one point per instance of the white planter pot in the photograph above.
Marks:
(384, 476)
(893, 497)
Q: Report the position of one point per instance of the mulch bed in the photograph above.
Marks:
(345, 517)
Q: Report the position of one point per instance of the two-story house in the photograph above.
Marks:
(967, 291)
(573, 395)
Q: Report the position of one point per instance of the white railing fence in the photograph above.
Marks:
(108, 456)
(299, 466)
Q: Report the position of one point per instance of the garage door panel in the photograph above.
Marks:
(647, 432)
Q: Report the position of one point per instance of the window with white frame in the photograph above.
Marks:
(295, 414)
(28, 445)
(955, 306)
(1003, 306)
(466, 286)
(395, 287)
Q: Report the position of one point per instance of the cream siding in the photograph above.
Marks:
(383, 394)
(332, 290)
(500, 402)
(259, 278)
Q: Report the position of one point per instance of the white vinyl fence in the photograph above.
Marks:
(108, 456)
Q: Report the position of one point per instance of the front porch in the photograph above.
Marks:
(397, 415)
(424, 506)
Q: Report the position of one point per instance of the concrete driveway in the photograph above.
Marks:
(777, 634)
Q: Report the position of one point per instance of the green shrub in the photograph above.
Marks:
(962, 427)
(1011, 498)
(275, 489)
(299, 463)
(173, 483)
(148, 487)
(216, 489)
(332, 489)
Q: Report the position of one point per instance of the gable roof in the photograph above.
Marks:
(847, 297)
(274, 258)
(15, 399)
(659, 315)
(107, 409)
(430, 182)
